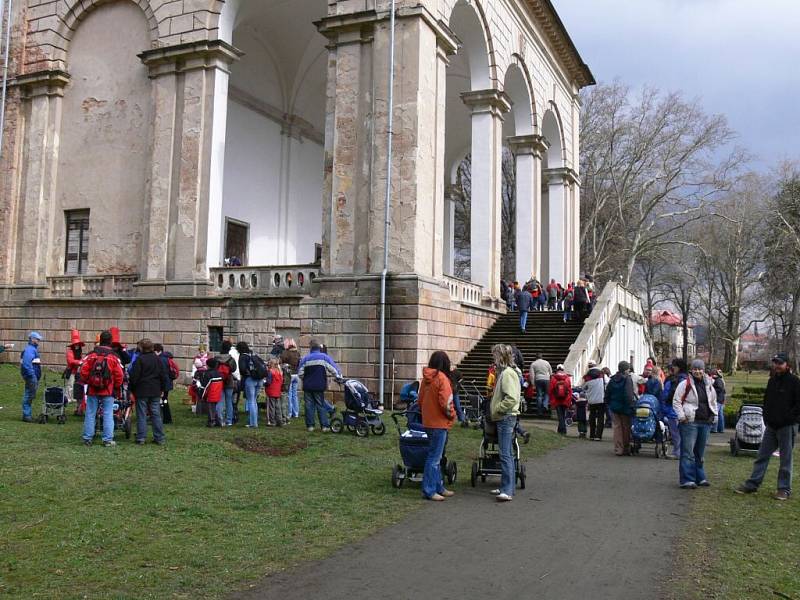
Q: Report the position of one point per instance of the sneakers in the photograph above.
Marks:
(87, 442)
(496, 492)
(704, 483)
(309, 429)
(689, 486)
(448, 493)
(326, 430)
(504, 498)
(781, 495)
(743, 489)
(109, 444)
(436, 498)
(140, 442)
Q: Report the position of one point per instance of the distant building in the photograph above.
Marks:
(667, 331)
(754, 350)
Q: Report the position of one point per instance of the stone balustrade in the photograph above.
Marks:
(290, 280)
(464, 291)
(92, 286)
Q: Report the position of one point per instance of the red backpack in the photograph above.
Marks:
(561, 390)
(174, 371)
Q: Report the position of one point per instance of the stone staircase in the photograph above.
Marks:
(546, 333)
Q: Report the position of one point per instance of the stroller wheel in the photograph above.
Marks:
(473, 478)
(42, 419)
(378, 429)
(451, 472)
(397, 479)
(336, 425)
(522, 476)
(361, 429)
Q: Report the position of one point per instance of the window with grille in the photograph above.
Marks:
(77, 254)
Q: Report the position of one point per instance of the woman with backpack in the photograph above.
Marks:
(250, 370)
(560, 393)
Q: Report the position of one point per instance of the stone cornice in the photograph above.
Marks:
(535, 145)
(205, 54)
(42, 83)
(563, 174)
(545, 14)
(491, 100)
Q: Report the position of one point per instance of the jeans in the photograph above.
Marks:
(92, 403)
(567, 312)
(597, 417)
(432, 476)
(315, 404)
(251, 387)
(227, 395)
(523, 319)
(720, 427)
(154, 404)
(774, 439)
(561, 410)
(675, 433)
(294, 402)
(542, 401)
(505, 439)
(581, 417)
(28, 396)
(693, 446)
(457, 405)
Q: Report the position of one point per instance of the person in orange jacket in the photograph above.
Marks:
(438, 416)
(72, 385)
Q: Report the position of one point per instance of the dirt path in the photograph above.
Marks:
(589, 525)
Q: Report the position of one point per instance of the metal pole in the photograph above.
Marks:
(387, 205)
(5, 69)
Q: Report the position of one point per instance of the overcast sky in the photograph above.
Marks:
(740, 57)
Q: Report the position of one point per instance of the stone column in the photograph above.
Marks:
(42, 94)
(449, 244)
(576, 232)
(488, 108)
(184, 236)
(561, 232)
(528, 152)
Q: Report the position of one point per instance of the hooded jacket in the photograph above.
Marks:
(314, 369)
(554, 381)
(114, 366)
(436, 400)
(507, 390)
(621, 404)
(685, 402)
(30, 364)
(148, 378)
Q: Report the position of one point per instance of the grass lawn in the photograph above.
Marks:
(743, 547)
(197, 518)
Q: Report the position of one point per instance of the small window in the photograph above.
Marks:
(77, 252)
(215, 338)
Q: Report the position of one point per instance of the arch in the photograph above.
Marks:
(468, 21)
(517, 85)
(553, 132)
(80, 10)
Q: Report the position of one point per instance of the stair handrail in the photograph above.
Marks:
(615, 300)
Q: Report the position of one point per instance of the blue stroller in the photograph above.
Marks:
(362, 413)
(414, 449)
(647, 428)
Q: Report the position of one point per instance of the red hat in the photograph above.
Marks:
(115, 335)
(76, 338)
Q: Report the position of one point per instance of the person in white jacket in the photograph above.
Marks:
(695, 403)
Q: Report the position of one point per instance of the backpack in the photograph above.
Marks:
(561, 390)
(258, 368)
(172, 368)
(100, 377)
(287, 377)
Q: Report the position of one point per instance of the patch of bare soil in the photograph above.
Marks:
(265, 448)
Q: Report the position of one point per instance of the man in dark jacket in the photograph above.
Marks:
(781, 414)
(524, 301)
(165, 357)
(148, 381)
(620, 396)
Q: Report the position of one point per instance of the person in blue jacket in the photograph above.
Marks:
(313, 371)
(678, 372)
(31, 369)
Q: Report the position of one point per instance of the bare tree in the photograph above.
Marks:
(649, 165)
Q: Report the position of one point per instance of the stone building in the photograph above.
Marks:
(147, 142)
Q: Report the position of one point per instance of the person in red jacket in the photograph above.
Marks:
(561, 396)
(72, 385)
(273, 392)
(210, 383)
(102, 373)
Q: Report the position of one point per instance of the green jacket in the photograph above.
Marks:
(507, 390)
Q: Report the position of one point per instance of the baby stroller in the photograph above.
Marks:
(749, 429)
(123, 408)
(409, 393)
(53, 405)
(647, 428)
(362, 413)
(414, 450)
(488, 462)
(471, 402)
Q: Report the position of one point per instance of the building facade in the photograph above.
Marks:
(209, 167)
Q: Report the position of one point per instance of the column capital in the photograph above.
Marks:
(534, 145)
(563, 175)
(490, 101)
(41, 83)
(205, 54)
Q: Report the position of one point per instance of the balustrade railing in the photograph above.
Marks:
(290, 280)
(464, 291)
(92, 286)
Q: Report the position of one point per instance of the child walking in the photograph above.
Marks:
(210, 384)
(273, 393)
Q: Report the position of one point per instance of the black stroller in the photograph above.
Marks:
(471, 401)
(413, 443)
(488, 462)
(362, 414)
(54, 404)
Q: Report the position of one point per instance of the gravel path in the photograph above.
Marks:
(589, 526)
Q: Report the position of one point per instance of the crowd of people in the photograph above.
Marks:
(575, 301)
(98, 380)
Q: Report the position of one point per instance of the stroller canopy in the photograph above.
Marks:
(356, 395)
(648, 401)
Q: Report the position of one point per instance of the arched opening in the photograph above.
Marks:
(469, 70)
(104, 145)
(273, 177)
(554, 231)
